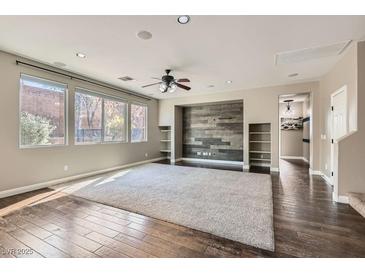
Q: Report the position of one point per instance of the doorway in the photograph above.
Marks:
(295, 129)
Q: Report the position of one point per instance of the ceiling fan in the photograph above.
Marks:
(169, 83)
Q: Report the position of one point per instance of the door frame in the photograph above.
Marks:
(334, 143)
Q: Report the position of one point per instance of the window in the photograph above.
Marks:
(88, 123)
(99, 119)
(115, 121)
(42, 112)
(138, 123)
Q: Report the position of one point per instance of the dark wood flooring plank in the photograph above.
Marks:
(146, 247)
(107, 224)
(106, 252)
(73, 221)
(69, 247)
(174, 236)
(29, 227)
(43, 248)
(70, 234)
(16, 248)
(118, 246)
(181, 250)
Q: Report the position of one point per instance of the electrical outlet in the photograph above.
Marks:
(199, 153)
(209, 153)
(65, 168)
(325, 166)
(146, 155)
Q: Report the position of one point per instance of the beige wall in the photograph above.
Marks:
(352, 149)
(24, 167)
(343, 73)
(260, 105)
(291, 141)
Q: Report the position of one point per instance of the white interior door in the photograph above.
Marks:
(338, 128)
(339, 114)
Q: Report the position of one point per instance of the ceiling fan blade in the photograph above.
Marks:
(156, 78)
(183, 80)
(183, 87)
(151, 85)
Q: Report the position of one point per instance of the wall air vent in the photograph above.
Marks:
(126, 78)
(307, 54)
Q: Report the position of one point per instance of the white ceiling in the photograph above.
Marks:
(208, 51)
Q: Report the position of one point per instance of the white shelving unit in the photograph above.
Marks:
(165, 140)
(260, 144)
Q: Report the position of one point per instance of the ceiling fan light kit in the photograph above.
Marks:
(169, 83)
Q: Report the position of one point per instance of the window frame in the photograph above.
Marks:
(65, 110)
(102, 96)
(146, 122)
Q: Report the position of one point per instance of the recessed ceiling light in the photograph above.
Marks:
(183, 19)
(81, 55)
(293, 75)
(144, 35)
(229, 81)
(126, 78)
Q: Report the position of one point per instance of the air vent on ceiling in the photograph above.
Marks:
(301, 55)
(126, 78)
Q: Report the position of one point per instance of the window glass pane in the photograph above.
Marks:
(42, 112)
(88, 123)
(138, 123)
(115, 114)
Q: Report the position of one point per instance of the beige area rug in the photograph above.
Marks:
(230, 204)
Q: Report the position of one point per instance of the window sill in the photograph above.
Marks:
(102, 143)
(138, 142)
(42, 146)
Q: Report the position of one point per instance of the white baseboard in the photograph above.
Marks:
(235, 163)
(320, 173)
(19, 190)
(343, 199)
(176, 160)
(315, 172)
(327, 179)
(294, 158)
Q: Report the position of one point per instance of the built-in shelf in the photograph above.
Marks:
(165, 139)
(260, 144)
(260, 159)
(264, 132)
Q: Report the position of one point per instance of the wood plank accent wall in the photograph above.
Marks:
(214, 131)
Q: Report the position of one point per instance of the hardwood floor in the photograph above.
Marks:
(307, 223)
